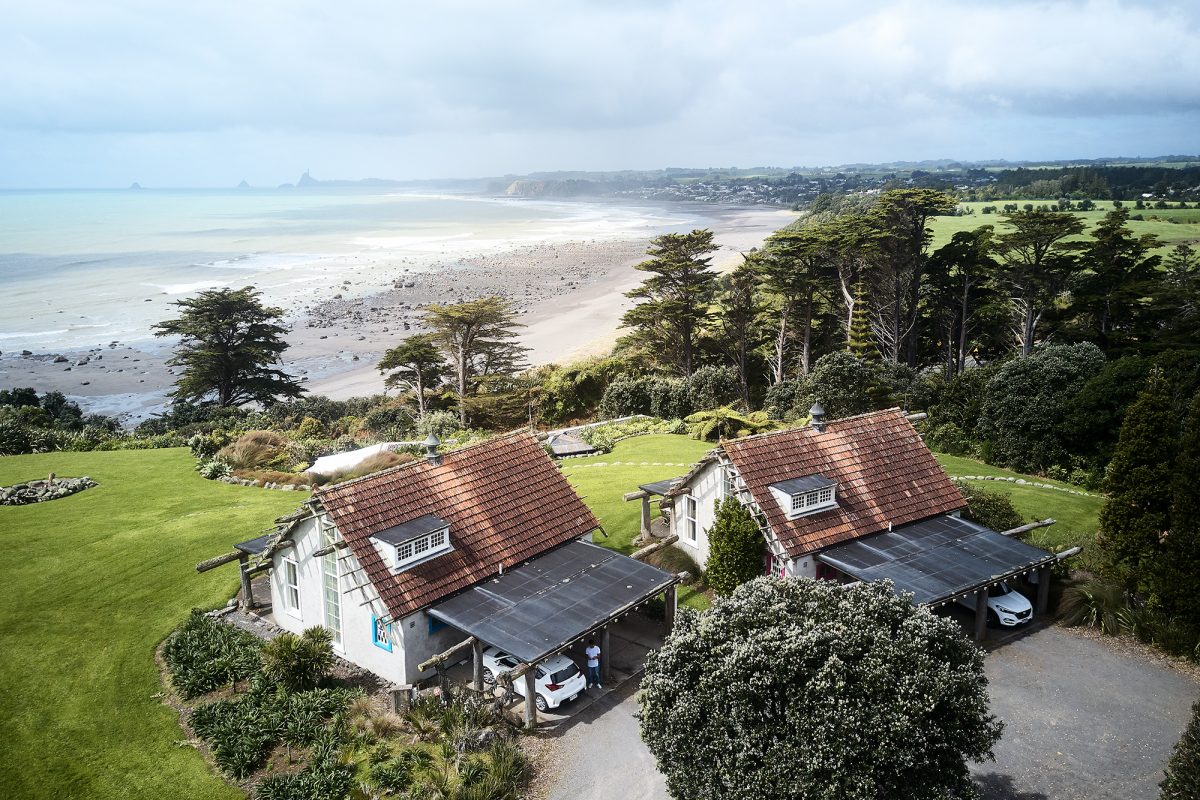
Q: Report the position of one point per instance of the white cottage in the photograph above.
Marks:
(860, 498)
(368, 558)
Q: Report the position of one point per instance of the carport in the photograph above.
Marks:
(942, 559)
(547, 604)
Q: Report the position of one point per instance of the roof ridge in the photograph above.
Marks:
(808, 426)
(418, 462)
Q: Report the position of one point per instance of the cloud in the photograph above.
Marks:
(595, 81)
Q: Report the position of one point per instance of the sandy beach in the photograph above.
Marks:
(569, 295)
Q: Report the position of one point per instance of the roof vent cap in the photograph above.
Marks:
(817, 412)
(431, 445)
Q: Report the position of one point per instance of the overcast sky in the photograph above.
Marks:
(208, 93)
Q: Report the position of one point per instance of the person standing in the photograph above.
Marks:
(593, 664)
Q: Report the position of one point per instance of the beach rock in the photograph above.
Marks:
(26, 352)
(41, 491)
(60, 359)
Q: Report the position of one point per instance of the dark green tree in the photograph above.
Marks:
(1177, 297)
(1111, 297)
(1175, 575)
(1182, 781)
(859, 341)
(739, 328)
(674, 303)
(1035, 266)
(478, 339)
(963, 296)
(416, 364)
(229, 344)
(1136, 514)
(795, 267)
(1026, 401)
(773, 693)
(843, 383)
(736, 546)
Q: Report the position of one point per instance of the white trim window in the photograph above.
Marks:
(810, 502)
(291, 587)
(331, 585)
(690, 528)
(422, 547)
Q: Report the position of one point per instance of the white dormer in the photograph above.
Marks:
(810, 494)
(413, 542)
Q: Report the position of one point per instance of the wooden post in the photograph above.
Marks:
(605, 654)
(646, 515)
(477, 650)
(530, 695)
(1043, 592)
(981, 609)
(247, 588)
(671, 598)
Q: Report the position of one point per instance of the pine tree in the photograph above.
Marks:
(1136, 514)
(735, 548)
(1183, 770)
(858, 339)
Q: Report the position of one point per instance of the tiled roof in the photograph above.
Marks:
(884, 474)
(505, 500)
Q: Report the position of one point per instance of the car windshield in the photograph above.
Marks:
(565, 674)
(999, 590)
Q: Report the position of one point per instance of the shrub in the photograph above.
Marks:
(712, 387)
(214, 469)
(394, 420)
(14, 438)
(1182, 781)
(990, 508)
(951, 439)
(1095, 604)
(204, 654)
(624, 397)
(265, 476)
(736, 547)
(310, 428)
(255, 450)
(298, 662)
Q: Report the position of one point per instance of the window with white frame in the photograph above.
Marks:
(422, 547)
(331, 584)
(291, 587)
(689, 518)
(809, 502)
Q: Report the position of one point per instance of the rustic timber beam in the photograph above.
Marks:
(638, 495)
(647, 550)
(1074, 551)
(213, 563)
(917, 417)
(443, 656)
(330, 549)
(1026, 528)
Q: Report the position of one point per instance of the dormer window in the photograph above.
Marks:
(810, 494)
(413, 542)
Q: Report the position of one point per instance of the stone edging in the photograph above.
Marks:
(39, 491)
(1023, 482)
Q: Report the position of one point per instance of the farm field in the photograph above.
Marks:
(1184, 229)
(92, 583)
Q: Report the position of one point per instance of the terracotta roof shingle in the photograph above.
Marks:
(884, 473)
(505, 500)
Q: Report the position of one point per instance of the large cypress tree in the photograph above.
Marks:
(1136, 514)
(735, 548)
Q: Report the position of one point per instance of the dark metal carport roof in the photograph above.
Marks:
(936, 559)
(659, 487)
(550, 601)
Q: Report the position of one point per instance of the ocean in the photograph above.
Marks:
(81, 269)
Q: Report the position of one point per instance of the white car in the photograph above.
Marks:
(1005, 605)
(556, 681)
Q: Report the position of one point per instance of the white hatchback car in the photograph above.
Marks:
(1005, 605)
(557, 679)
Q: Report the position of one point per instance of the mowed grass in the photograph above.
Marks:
(90, 585)
(604, 479)
(1185, 228)
(1077, 517)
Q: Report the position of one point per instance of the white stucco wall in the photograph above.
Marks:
(411, 641)
(706, 490)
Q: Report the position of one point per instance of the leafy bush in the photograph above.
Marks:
(300, 662)
(712, 387)
(1182, 781)
(736, 547)
(951, 439)
(14, 438)
(1094, 604)
(265, 476)
(603, 437)
(205, 654)
(214, 469)
(310, 428)
(990, 508)
(394, 420)
(625, 397)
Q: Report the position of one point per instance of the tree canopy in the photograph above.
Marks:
(735, 548)
(415, 363)
(229, 342)
(798, 688)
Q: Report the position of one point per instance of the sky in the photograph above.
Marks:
(168, 93)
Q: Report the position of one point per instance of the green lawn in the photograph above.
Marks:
(604, 479)
(1185, 229)
(91, 584)
(1077, 516)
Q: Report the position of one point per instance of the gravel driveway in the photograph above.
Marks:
(1082, 720)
